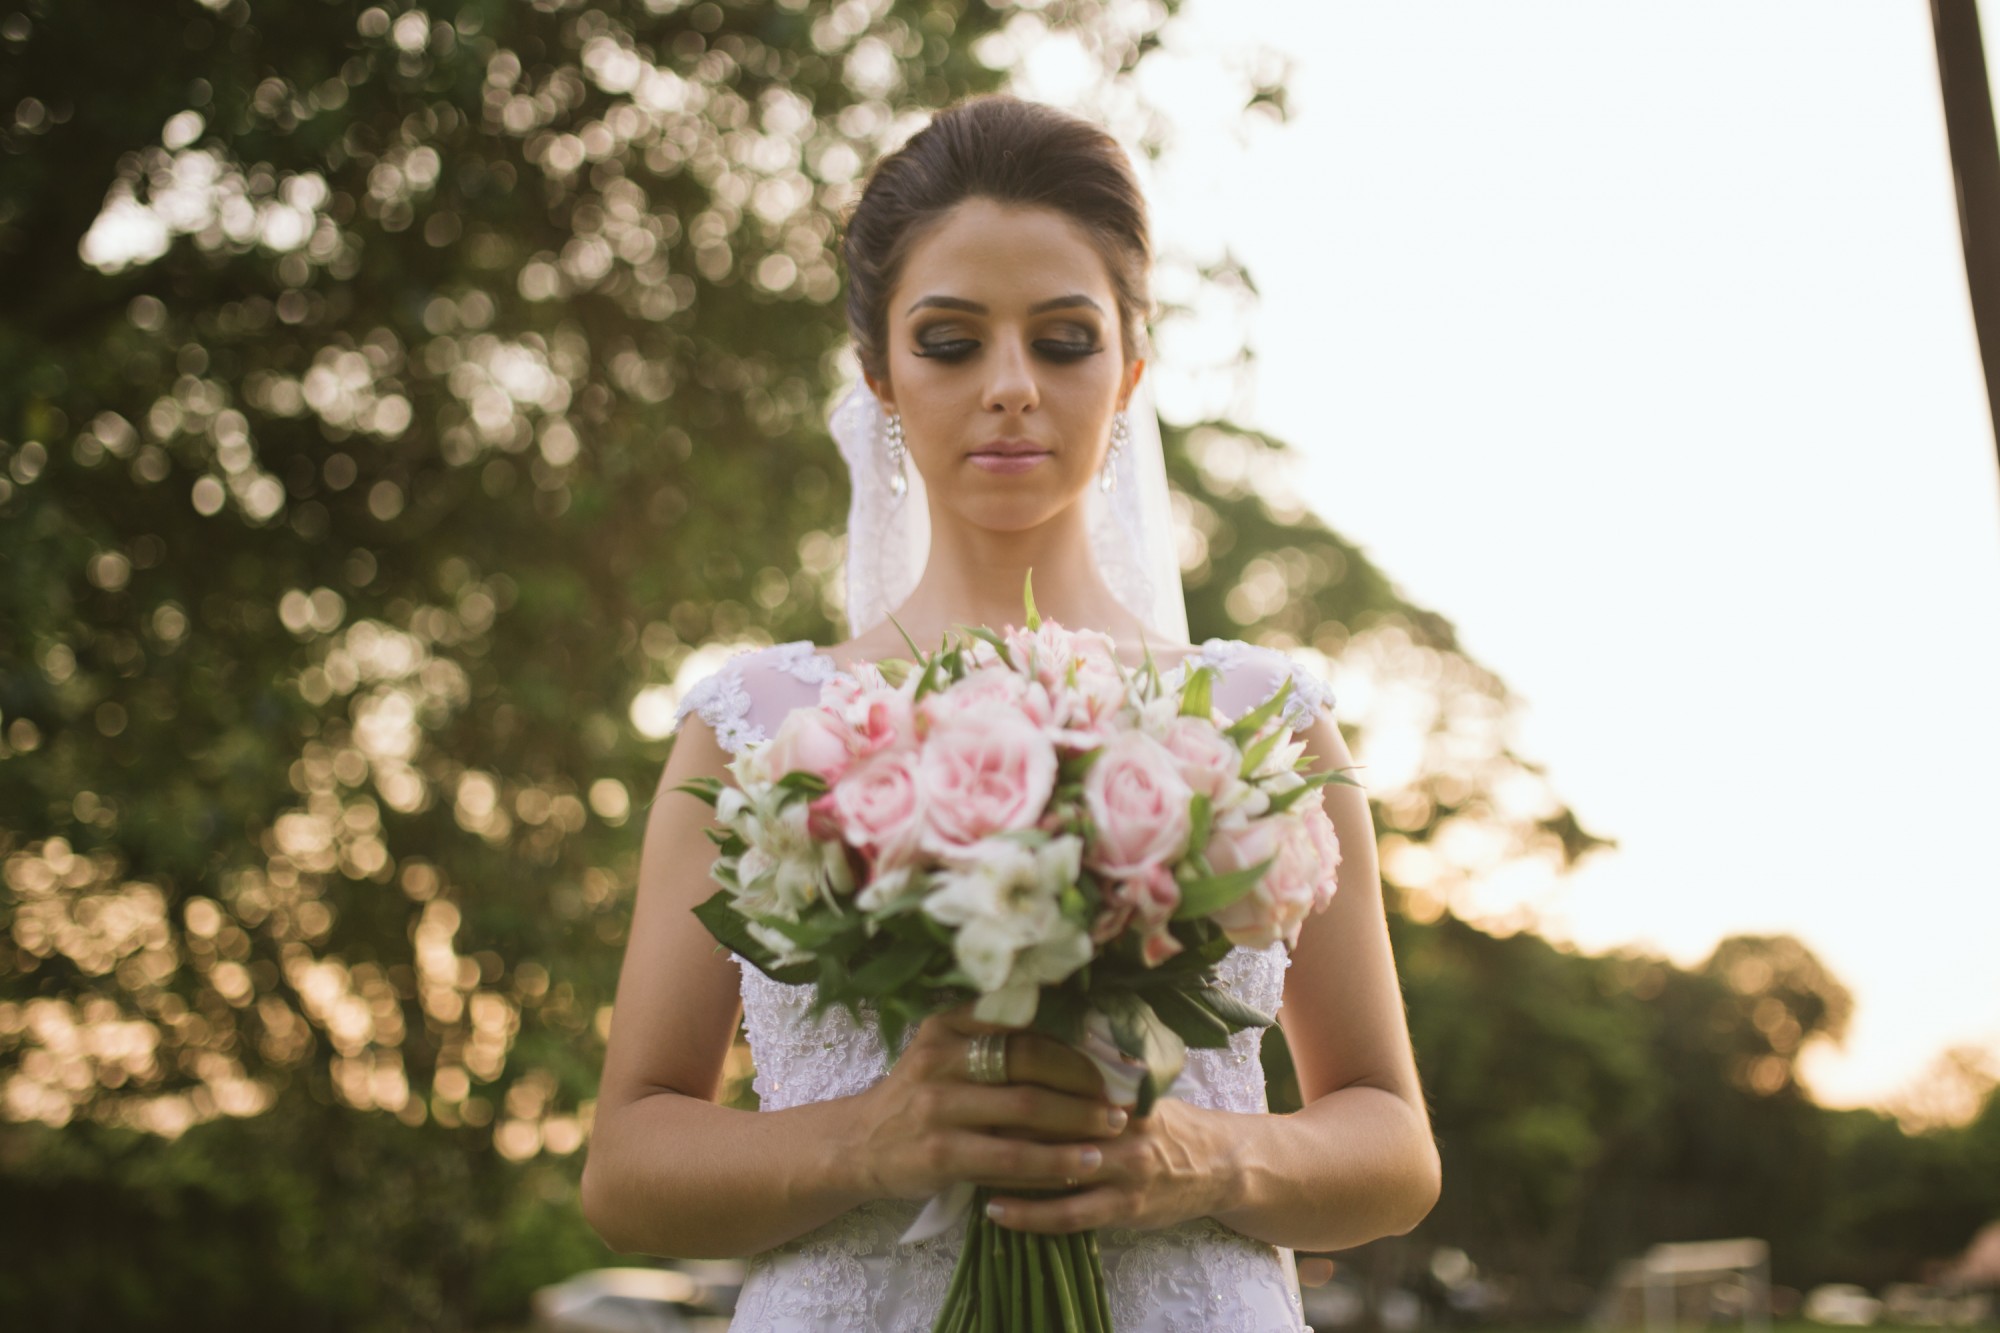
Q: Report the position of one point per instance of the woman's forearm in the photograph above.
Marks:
(676, 1176)
(1356, 1165)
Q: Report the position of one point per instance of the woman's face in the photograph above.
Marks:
(1006, 362)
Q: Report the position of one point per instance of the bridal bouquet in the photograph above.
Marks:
(1020, 821)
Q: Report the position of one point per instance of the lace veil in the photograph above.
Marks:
(1131, 529)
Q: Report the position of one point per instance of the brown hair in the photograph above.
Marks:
(1014, 152)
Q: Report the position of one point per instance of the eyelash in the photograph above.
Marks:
(958, 349)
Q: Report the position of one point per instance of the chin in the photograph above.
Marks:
(1021, 512)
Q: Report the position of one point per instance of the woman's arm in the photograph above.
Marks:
(1358, 1162)
(671, 1173)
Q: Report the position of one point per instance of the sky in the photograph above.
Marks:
(1634, 339)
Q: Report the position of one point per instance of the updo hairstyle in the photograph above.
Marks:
(1013, 152)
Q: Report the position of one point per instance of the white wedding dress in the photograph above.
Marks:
(853, 1275)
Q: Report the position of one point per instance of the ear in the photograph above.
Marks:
(881, 390)
(1132, 373)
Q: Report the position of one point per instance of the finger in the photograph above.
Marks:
(1032, 1109)
(961, 1021)
(1083, 1211)
(1034, 1058)
(1021, 1163)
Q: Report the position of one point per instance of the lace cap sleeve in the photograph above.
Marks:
(721, 701)
(748, 694)
(1310, 696)
(1253, 674)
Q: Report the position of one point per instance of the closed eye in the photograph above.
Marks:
(1060, 350)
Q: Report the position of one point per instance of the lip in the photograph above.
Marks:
(1009, 455)
(1011, 447)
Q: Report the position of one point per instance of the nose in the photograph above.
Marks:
(1010, 383)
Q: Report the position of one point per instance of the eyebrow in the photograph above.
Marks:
(1073, 300)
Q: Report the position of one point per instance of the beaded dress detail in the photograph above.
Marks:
(853, 1275)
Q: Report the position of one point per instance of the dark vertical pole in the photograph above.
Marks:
(1975, 165)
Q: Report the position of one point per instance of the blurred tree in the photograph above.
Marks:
(1736, 1148)
(357, 359)
(1588, 1107)
(1537, 1063)
(1909, 1191)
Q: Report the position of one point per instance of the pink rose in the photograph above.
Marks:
(878, 714)
(1138, 803)
(880, 807)
(986, 687)
(882, 719)
(1209, 761)
(811, 740)
(984, 770)
(1289, 890)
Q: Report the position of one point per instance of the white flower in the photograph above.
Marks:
(884, 889)
(752, 769)
(1005, 897)
(1156, 716)
(1282, 760)
(784, 869)
(784, 952)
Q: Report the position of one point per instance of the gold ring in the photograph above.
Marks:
(986, 1058)
(1072, 1182)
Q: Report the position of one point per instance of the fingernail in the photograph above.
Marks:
(995, 1211)
(1091, 1159)
(1117, 1118)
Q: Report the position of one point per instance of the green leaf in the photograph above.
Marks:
(1034, 617)
(809, 784)
(1246, 726)
(1191, 1021)
(1314, 781)
(1258, 753)
(1061, 1015)
(718, 913)
(1200, 816)
(928, 683)
(1140, 1034)
(902, 963)
(811, 933)
(1149, 669)
(1209, 895)
(916, 653)
(708, 790)
(1198, 694)
(989, 637)
(1232, 1011)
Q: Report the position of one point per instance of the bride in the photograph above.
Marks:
(997, 269)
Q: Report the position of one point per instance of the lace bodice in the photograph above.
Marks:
(853, 1273)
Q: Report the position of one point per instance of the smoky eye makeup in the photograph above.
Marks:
(945, 348)
(950, 342)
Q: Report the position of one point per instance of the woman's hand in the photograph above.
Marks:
(1168, 1167)
(925, 1126)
